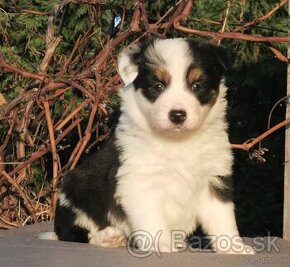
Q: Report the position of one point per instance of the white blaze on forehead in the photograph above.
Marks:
(177, 59)
(154, 56)
(175, 55)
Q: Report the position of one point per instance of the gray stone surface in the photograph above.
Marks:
(21, 247)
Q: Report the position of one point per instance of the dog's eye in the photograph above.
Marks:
(196, 87)
(158, 87)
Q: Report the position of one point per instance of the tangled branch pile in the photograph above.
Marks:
(60, 107)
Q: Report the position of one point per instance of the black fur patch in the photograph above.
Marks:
(145, 81)
(91, 187)
(224, 192)
(65, 229)
(213, 61)
(148, 72)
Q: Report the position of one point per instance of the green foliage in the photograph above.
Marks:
(77, 23)
(22, 35)
(209, 15)
(22, 40)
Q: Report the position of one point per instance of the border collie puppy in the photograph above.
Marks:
(168, 165)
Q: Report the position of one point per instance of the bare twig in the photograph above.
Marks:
(49, 53)
(61, 124)
(224, 35)
(272, 109)
(177, 12)
(54, 157)
(249, 144)
(26, 200)
(227, 13)
(86, 137)
(266, 16)
(232, 35)
(11, 127)
(9, 68)
(278, 54)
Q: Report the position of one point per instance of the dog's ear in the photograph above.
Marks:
(127, 66)
(224, 57)
(220, 56)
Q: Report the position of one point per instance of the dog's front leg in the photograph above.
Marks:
(149, 227)
(151, 239)
(218, 220)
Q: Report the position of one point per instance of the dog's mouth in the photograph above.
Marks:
(167, 128)
(177, 130)
(175, 134)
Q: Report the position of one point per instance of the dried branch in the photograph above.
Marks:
(54, 156)
(62, 123)
(22, 129)
(26, 200)
(223, 35)
(49, 53)
(278, 54)
(273, 108)
(268, 15)
(249, 144)
(231, 35)
(34, 12)
(227, 13)
(9, 68)
(10, 130)
(69, 60)
(177, 13)
(86, 137)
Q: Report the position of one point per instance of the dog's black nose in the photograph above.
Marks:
(177, 116)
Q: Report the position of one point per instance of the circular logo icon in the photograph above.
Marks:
(140, 244)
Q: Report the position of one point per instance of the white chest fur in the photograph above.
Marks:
(167, 176)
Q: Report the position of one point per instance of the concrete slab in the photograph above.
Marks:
(20, 247)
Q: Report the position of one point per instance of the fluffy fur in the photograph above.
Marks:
(168, 165)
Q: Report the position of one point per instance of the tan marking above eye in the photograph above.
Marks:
(162, 75)
(193, 75)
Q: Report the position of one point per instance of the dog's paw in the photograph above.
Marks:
(48, 236)
(110, 237)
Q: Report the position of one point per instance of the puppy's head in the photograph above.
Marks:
(175, 82)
